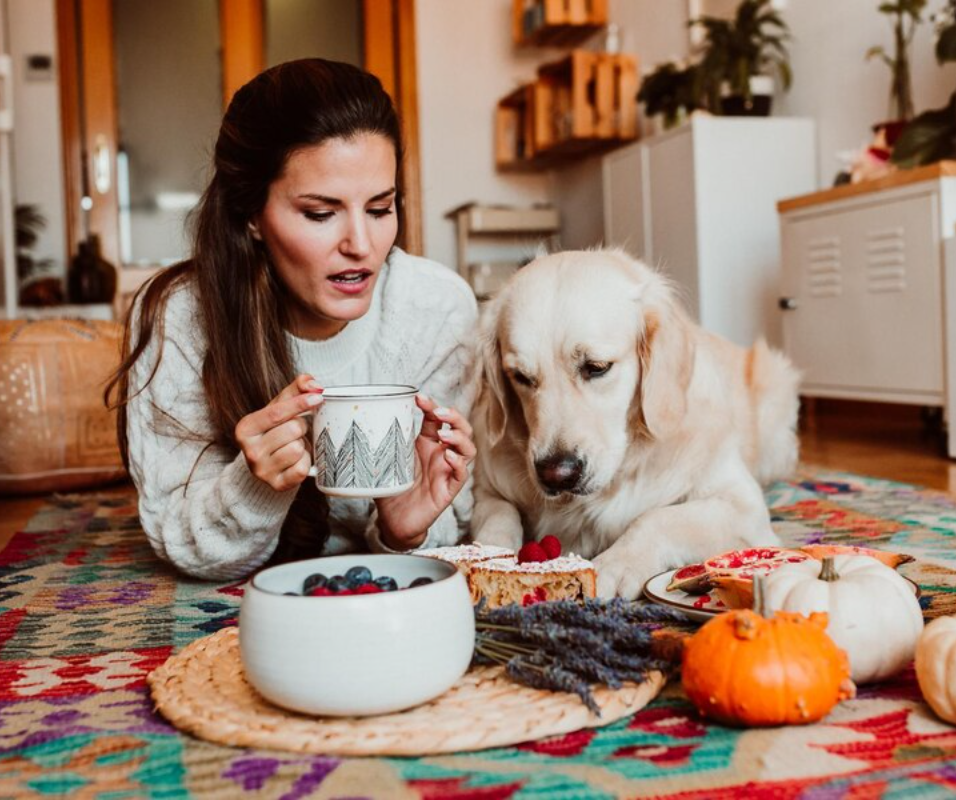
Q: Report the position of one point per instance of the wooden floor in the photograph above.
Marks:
(885, 441)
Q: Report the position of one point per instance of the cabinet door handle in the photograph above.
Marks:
(787, 304)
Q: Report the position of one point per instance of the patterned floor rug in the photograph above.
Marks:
(86, 611)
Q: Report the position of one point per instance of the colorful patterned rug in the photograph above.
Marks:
(86, 611)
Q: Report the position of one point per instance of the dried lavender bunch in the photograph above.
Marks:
(568, 646)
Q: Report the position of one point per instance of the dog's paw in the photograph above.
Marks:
(619, 577)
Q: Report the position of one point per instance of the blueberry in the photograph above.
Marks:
(314, 581)
(385, 583)
(338, 583)
(356, 576)
(423, 581)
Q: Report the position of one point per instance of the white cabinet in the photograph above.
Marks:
(700, 203)
(865, 282)
(494, 241)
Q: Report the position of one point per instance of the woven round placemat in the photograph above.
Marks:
(203, 691)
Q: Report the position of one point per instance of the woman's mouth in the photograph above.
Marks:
(353, 281)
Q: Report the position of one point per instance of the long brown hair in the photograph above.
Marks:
(242, 308)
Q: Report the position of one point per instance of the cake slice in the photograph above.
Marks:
(501, 581)
(463, 556)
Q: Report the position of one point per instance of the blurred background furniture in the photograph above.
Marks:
(699, 203)
(867, 284)
(57, 433)
(495, 240)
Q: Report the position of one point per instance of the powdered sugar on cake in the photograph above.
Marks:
(467, 552)
(568, 563)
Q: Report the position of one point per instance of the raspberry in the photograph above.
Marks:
(532, 551)
(551, 546)
(367, 588)
(320, 591)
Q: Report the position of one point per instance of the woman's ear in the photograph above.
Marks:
(666, 356)
(494, 393)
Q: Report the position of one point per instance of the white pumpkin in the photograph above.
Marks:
(874, 614)
(936, 666)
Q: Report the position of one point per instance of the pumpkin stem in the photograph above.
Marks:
(828, 572)
(760, 600)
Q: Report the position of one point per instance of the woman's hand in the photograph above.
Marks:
(441, 469)
(273, 439)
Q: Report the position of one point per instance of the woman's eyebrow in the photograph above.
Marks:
(334, 201)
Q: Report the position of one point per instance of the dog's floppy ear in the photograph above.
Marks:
(495, 394)
(666, 355)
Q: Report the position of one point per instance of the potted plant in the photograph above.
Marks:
(905, 16)
(739, 58)
(931, 136)
(671, 90)
(36, 287)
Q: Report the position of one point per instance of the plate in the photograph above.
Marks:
(698, 607)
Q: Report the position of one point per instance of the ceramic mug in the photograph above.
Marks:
(363, 440)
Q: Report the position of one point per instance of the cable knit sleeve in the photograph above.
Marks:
(202, 509)
(443, 308)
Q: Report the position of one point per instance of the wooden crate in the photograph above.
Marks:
(585, 102)
(557, 23)
(521, 127)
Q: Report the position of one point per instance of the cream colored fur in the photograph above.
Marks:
(677, 436)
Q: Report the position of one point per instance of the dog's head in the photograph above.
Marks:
(583, 356)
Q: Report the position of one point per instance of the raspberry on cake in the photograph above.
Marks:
(501, 581)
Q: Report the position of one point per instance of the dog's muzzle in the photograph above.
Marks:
(561, 472)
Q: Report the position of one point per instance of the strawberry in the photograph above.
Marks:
(320, 591)
(367, 588)
(552, 546)
(532, 551)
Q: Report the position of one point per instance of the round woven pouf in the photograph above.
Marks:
(203, 691)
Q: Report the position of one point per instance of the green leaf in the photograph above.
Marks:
(929, 137)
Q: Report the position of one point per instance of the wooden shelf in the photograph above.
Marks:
(557, 23)
(581, 104)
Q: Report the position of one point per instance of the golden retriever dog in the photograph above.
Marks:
(607, 418)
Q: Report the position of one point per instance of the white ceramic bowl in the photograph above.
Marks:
(357, 654)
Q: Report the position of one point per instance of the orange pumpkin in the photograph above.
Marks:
(743, 669)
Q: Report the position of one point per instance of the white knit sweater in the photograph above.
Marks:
(419, 330)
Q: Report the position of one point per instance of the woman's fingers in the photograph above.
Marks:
(459, 466)
(302, 384)
(272, 439)
(458, 441)
(436, 416)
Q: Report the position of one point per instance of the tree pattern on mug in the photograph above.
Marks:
(357, 465)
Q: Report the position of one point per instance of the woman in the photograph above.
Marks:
(294, 284)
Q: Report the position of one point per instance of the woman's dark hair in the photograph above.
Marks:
(242, 309)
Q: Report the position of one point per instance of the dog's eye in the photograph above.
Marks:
(524, 380)
(595, 369)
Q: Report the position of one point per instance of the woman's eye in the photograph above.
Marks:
(595, 369)
(380, 212)
(318, 216)
(521, 378)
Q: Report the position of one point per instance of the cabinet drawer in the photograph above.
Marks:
(866, 282)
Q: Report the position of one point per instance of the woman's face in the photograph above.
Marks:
(329, 222)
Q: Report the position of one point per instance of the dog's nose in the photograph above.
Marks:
(559, 473)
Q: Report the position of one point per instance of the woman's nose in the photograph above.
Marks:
(356, 242)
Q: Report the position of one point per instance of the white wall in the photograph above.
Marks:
(837, 87)
(655, 31)
(466, 63)
(37, 151)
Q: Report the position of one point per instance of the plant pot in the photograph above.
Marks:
(759, 104)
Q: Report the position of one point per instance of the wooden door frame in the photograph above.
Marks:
(389, 47)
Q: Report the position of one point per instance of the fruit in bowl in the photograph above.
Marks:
(356, 653)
